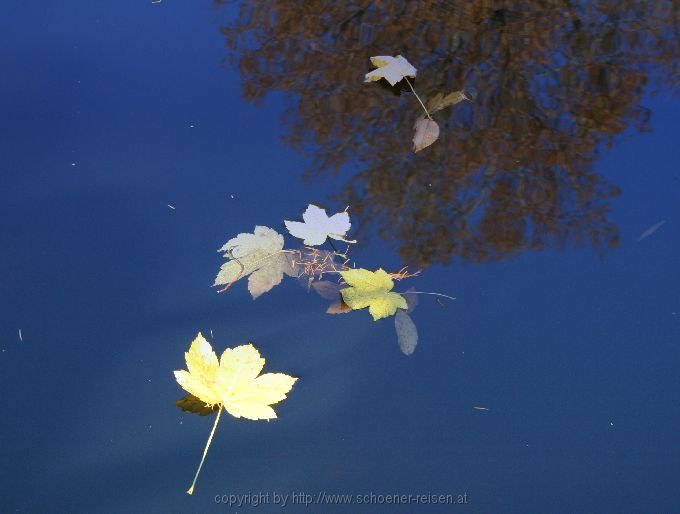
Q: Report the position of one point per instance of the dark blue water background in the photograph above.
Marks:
(112, 111)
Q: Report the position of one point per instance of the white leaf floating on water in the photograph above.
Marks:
(317, 226)
(407, 333)
(259, 256)
(392, 69)
(427, 132)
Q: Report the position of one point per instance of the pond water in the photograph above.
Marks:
(138, 138)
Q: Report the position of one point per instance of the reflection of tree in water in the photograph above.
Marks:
(551, 80)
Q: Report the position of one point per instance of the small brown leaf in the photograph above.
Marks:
(439, 101)
(427, 132)
(327, 289)
(339, 307)
(433, 102)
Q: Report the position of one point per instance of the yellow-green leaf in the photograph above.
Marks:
(233, 383)
(201, 379)
(372, 289)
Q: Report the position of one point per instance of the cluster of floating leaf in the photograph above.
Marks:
(261, 257)
(234, 383)
(395, 69)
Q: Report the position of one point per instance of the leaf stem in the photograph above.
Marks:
(435, 294)
(414, 92)
(205, 452)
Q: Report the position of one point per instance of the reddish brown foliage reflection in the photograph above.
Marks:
(513, 170)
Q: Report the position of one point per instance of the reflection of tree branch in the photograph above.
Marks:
(512, 169)
(356, 14)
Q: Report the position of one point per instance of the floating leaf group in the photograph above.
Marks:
(395, 69)
(234, 381)
(262, 257)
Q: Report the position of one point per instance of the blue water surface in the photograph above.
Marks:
(129, 156)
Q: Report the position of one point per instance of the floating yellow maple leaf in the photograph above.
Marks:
(372, 289)
(232, 383)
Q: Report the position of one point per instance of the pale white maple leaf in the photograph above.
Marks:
(318, 226)
(259, 256)
(392, 69)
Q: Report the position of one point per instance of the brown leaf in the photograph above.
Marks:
(433, 102)
(327, 289)
(427, 132)
(439, 101)
(338, 307)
